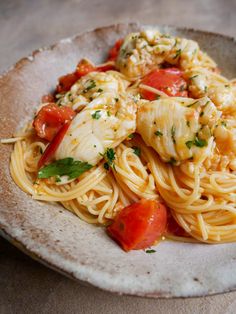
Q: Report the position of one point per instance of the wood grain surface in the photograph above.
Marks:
(25, 285)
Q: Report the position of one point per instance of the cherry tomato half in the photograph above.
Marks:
(52, 147)
(139, 225)
(50, 119)
(114, 51)
(169, 81)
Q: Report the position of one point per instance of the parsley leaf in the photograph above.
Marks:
(172, 161)
(223, 123)
(192, 77)
(194, 103)
(109, 156)
(132, 135)
(137, 150)
(189, 144)
(200, 143)
(178, 53)
(64, 167)
(173, 129)
(96, 115)
(92, 85)
(150, 251)
(158, 133)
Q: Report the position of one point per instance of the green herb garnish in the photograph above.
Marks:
(158, 133)
(132, 135)
(137, 150)
(92, 85)
(96, 115)
(202, 113)
(199, 142)
(100, 90)
(172, 161)
(173, 129)
(192, 77)
(189, 144)
(194, 103)
(64, 167)
(150, 251)
(109, 156)
(178, 53)
(224, 123)
(106, 166)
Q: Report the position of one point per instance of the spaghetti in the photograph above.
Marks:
(191, 171)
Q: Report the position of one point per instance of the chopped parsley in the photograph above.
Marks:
(193, 77)
(158, 133)
(109, 156)
(205, 89)
(199, 142)
(189, 144)
(116, 99)
(137, 150)
(188, 123)
(64, 167)
(149, 251)
(165, 36)
(172, 161)
(178, 53)
(96, 115)
(158, 97)
(108, 113)
(132, 135)
(223, 123)
(100, 90)
(92, 85)
(58, 179)
(194, 103)
(173, 129)
(196, 142)
(106, 166)
(202, 113)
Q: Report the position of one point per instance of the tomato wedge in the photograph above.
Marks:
(169, 81)
(52, 147)
(50, 119)
(84, 67)
(65, 82)
(114, 51)
(139, 225)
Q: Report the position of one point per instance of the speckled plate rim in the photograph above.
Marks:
(18, 242)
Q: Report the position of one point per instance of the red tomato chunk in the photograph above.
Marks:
(52, 147)
(139, 225)
(50, 119)
(169, 81)
(114, 51)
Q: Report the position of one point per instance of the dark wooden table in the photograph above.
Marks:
(25, 285)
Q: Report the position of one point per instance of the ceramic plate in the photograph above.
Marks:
(62, 241)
